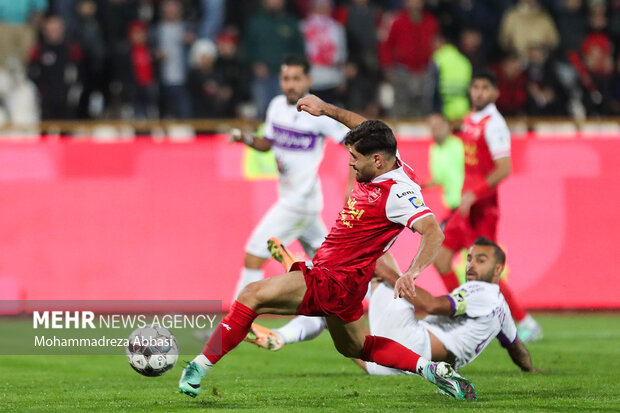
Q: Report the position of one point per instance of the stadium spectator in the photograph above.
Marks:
(212, 19)
(511, 85)
(527, 25)
(483, 17)
(173, 38)
(118, 14)
(18, 96)
(362, 70)
(326, 49)
(597, 56)
(572, 23)
(406, 62)
(270, 36)
(210, 95)
(19, 20)
(545, 95)
(470, 44)
(232, 69)
(146, 11)
(135, 71)
(614, 23)
(87, 32)
(615, 103)
(54, 68)
(453, 74)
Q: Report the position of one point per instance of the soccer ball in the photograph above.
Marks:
(152, 350)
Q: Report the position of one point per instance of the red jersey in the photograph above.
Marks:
(375, 214)
(486, 137)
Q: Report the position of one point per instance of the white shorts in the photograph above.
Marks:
(287, 226)
(395, 319)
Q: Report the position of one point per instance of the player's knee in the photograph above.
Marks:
(352, 350)
(250, 295)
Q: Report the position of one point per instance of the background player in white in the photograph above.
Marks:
(297, 140)
(459, 325)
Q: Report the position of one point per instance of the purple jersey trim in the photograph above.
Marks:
(452, 303)
(288, 138)
(505, 341)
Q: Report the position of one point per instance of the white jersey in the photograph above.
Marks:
(297, 140)
(484, 315)
(496, 132)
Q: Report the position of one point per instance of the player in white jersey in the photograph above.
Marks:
(458, 328)
(297, 140)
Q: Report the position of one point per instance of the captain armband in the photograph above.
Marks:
(459, 305)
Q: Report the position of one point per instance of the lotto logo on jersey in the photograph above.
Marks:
(416, 202)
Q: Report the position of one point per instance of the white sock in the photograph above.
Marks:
(420, 367)
(301, 328)
(247, 276)
(203, 362)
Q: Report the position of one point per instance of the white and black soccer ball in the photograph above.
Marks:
(152, 350)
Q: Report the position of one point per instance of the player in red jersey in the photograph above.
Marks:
(486, 142)
(383, 202)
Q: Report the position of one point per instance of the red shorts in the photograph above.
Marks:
(333, 292)
(461, 232)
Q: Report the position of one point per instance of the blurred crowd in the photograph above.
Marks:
(149, 59)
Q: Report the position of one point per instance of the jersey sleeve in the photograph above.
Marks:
(508, 334)
(497, 136)
(405, 205)
(334, 129)
(473, 299)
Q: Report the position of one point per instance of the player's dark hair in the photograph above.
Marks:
(500, 255)
(370, 137)
(294, 60)
(485, 74)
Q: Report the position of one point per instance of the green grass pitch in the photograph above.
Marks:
(580, 355)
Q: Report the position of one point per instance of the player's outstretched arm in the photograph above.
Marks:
(424, 301)
(432, 238)
(521, 357)
(316, 107)
(260, 144)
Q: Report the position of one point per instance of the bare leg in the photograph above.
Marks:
(276, 295)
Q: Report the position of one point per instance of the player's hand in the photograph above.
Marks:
(405, 285)
(236, 135)
(312, 104)
(467, 201)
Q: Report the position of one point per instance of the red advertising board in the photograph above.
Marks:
(146, 220)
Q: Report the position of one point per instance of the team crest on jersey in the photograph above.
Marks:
(374, 194)
(416, 202)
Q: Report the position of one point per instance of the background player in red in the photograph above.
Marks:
(383, 202)
(486, 142)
